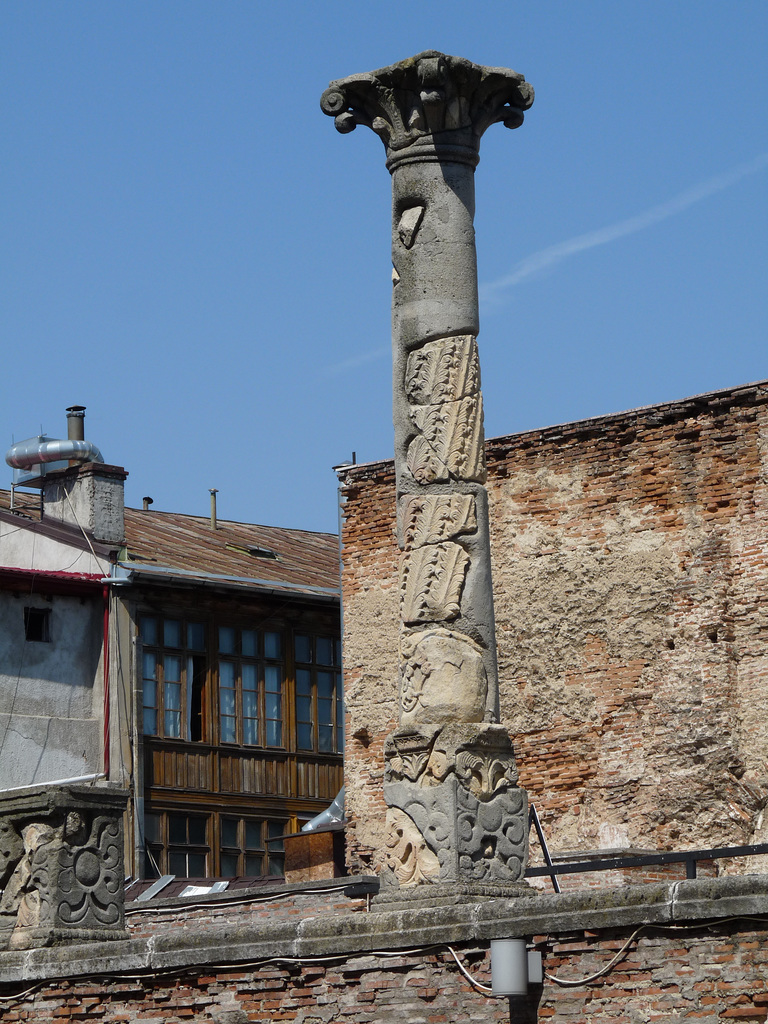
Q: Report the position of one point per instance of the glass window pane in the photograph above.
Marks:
(274, 705)
(273, 677)
(177, 828)
(229, 864)
(229, 832)
(304, 709)
(273, 645)
(177, 863)
(249, 643)
(152, 828)
(325, 739)
(227, 701)
(227, 730)
(150, 722)
(274, 830)
(276, 862)
(171, 632)
(251, 731)
(148, 629)
(150, 693)
(254, 864)
(250, 677)
(172, 668)
(324, 650)
(325, 712)
(149, 665)
(227, 673)
(302, 648)
(227, 639)
(303, 681)
(274, 734)
(250, 704)
(304, 736)
(196, 865)
(325, 684)
(196, 636)
(173, 724)
(253, 833)
(172, 696)
(197, 831)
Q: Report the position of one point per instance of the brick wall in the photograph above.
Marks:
(630, 560)
(706, 974)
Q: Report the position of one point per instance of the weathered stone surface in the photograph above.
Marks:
(63, 864)
(443, 678)
(430, 112)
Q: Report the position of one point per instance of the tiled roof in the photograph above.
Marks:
(168, 543)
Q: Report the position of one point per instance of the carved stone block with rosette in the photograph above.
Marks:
(61, 866)
(456, 814)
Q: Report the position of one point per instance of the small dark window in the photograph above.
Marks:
(37, 624)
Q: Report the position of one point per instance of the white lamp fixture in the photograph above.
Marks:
(514, 967)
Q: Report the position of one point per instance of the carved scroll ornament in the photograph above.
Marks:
(427, 94)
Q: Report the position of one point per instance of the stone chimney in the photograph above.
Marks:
(89, 495)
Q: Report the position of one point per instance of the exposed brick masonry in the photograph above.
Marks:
(630, 571)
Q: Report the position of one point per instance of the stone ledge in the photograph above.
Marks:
(358, 934)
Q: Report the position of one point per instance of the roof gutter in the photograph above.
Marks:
(171, 574)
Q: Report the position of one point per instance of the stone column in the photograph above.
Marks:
(456, 816)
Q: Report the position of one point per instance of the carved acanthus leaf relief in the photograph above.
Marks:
(431, 92)
(407, 854)
(431, 581)
(443, 678)
(485, 773)
(443, 371)
(433, 518)
(449, 443)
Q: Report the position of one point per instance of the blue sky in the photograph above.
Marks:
(191, 251)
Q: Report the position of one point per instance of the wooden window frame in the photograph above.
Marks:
(311, 678)
(255, 715)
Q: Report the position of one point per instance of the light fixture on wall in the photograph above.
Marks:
(514, 967)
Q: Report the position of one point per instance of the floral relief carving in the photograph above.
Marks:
(492, 836)
(431, 581)
(449, 442)
(434, 518)
(90, 873)
(484, 773)
(443, 371)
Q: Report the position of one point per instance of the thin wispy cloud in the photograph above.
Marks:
(547, 258)
(370, 356)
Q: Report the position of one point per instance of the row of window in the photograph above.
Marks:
(186, 845)
(247, 670)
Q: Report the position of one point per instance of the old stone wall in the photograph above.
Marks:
(631, 568)
(693, 951)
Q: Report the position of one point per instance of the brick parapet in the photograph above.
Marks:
(696, 948)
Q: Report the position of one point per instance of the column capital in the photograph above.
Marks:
(429, 107)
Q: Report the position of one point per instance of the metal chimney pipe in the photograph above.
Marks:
(147, 501)
(76, 423)
(214, 492)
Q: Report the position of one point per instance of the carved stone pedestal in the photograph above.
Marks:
(61, 866)
(456, 818)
